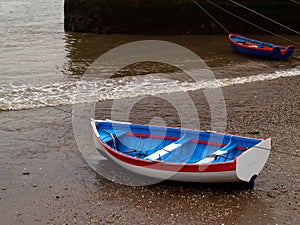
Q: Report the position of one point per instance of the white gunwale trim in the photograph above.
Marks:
(95, 128)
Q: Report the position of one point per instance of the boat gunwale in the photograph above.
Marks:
(162, 165)
(275, 52)
(270, 49)
(174, 167)
(180, 129)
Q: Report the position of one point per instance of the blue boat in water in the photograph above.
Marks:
(178, 154)
(259, 49)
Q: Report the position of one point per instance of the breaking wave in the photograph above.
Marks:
(17, 97)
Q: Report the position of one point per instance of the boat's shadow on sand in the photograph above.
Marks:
(215, 187)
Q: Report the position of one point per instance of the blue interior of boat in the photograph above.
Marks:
(172, 145)
(260, 44)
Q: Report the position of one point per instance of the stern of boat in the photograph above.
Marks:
(251, 162)
(283, 54)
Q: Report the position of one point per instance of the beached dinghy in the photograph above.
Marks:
(181, 154)
(259, 49)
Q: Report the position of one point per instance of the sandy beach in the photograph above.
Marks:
(45, 180)
(44, 177)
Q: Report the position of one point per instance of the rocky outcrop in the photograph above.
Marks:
(175, 16)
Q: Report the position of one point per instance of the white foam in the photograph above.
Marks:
(16, 97)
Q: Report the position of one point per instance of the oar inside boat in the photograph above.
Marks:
(221, 152)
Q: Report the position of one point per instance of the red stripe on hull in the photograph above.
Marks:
(218, 167)
(153, 136)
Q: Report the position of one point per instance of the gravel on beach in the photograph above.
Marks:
(45, 180)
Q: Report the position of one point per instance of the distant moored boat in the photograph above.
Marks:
(259, 49)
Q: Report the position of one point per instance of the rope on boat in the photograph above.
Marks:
(112, 135)
(236, 16)
(179, 159)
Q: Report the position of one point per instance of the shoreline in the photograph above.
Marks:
(61, 188)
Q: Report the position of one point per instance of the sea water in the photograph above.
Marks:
(43, 65)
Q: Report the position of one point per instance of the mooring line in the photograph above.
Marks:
(294, 1)
(253, 24)
(246, 21)
(71, 113)
(267, 149)
(85, 118)
(251, 10)
(227, 31)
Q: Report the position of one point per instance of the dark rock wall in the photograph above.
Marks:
(176, 16)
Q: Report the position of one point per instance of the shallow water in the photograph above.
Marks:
(42, 65)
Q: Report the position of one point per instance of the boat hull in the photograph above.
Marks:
(200, 177)
(235, 171)
(266, 51)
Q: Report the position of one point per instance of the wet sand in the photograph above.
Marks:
(45, 180)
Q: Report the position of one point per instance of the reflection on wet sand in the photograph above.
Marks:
(41, 165)
(84, 49)
(178, 202)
